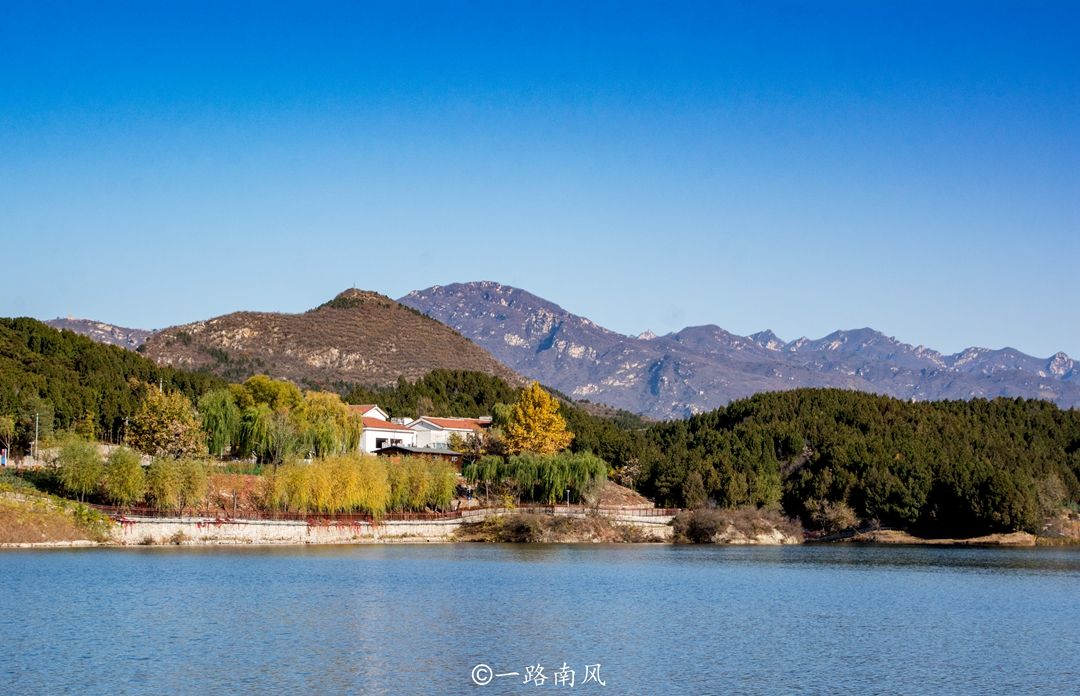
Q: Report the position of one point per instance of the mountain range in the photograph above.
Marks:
(362, 337)
(702, 367)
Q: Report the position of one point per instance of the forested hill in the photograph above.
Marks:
(358, 337)
(952, 467)
(70, 380)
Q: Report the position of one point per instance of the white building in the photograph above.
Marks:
(380, 431)
(435, 432)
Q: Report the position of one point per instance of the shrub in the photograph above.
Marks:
(701, 526)
(832, 517)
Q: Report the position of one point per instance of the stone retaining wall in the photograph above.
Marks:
(207, 530)
(194, 530)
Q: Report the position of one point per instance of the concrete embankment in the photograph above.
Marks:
(198, 530)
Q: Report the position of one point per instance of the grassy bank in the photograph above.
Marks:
(43, 519)
(31, 516)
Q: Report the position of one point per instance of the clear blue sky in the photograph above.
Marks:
(800, 166)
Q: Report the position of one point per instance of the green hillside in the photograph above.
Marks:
(70, 380)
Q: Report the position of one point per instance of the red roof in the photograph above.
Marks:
(458, 423)
(379, 424)
(361, 408)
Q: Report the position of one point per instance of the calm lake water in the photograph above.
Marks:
(657, 619)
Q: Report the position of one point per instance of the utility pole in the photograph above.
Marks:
(37, 430)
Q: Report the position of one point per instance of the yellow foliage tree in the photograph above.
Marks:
(166, 425)
(535, 425)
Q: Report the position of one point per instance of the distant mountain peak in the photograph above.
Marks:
(647, 336)
(351, 298)
(102, 332)
(355, 293)
(1061, 365)
(768, 340)
(797, 344)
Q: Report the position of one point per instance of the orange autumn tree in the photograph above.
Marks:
(535, 425)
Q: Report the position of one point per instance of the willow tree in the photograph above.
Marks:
(542, 478)
(271, 435)
(254, 429)
(124, 482)
(443, 484)
(325, 488)
(535, 425)
(342, 483)
(282, 439)
(163, 483)
(417, 482)
(80, 467)
(194, 483)
(374, 491)
(327, 425)
(220, 420)
(289, 488)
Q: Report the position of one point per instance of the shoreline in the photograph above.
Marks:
(892, 538)
(47, 523)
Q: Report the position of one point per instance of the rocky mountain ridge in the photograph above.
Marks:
(702, 367)
(101, 332)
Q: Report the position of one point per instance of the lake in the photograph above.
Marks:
(643, 619)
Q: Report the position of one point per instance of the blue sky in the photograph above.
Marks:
(799, 166)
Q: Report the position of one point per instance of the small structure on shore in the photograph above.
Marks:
(379, 431)
(432, 452)
(432, 431)
(423, 436)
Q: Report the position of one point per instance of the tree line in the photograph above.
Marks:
(121, 479)
(361, 483)
(337, 483)
(945, 468)
(539, 478)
